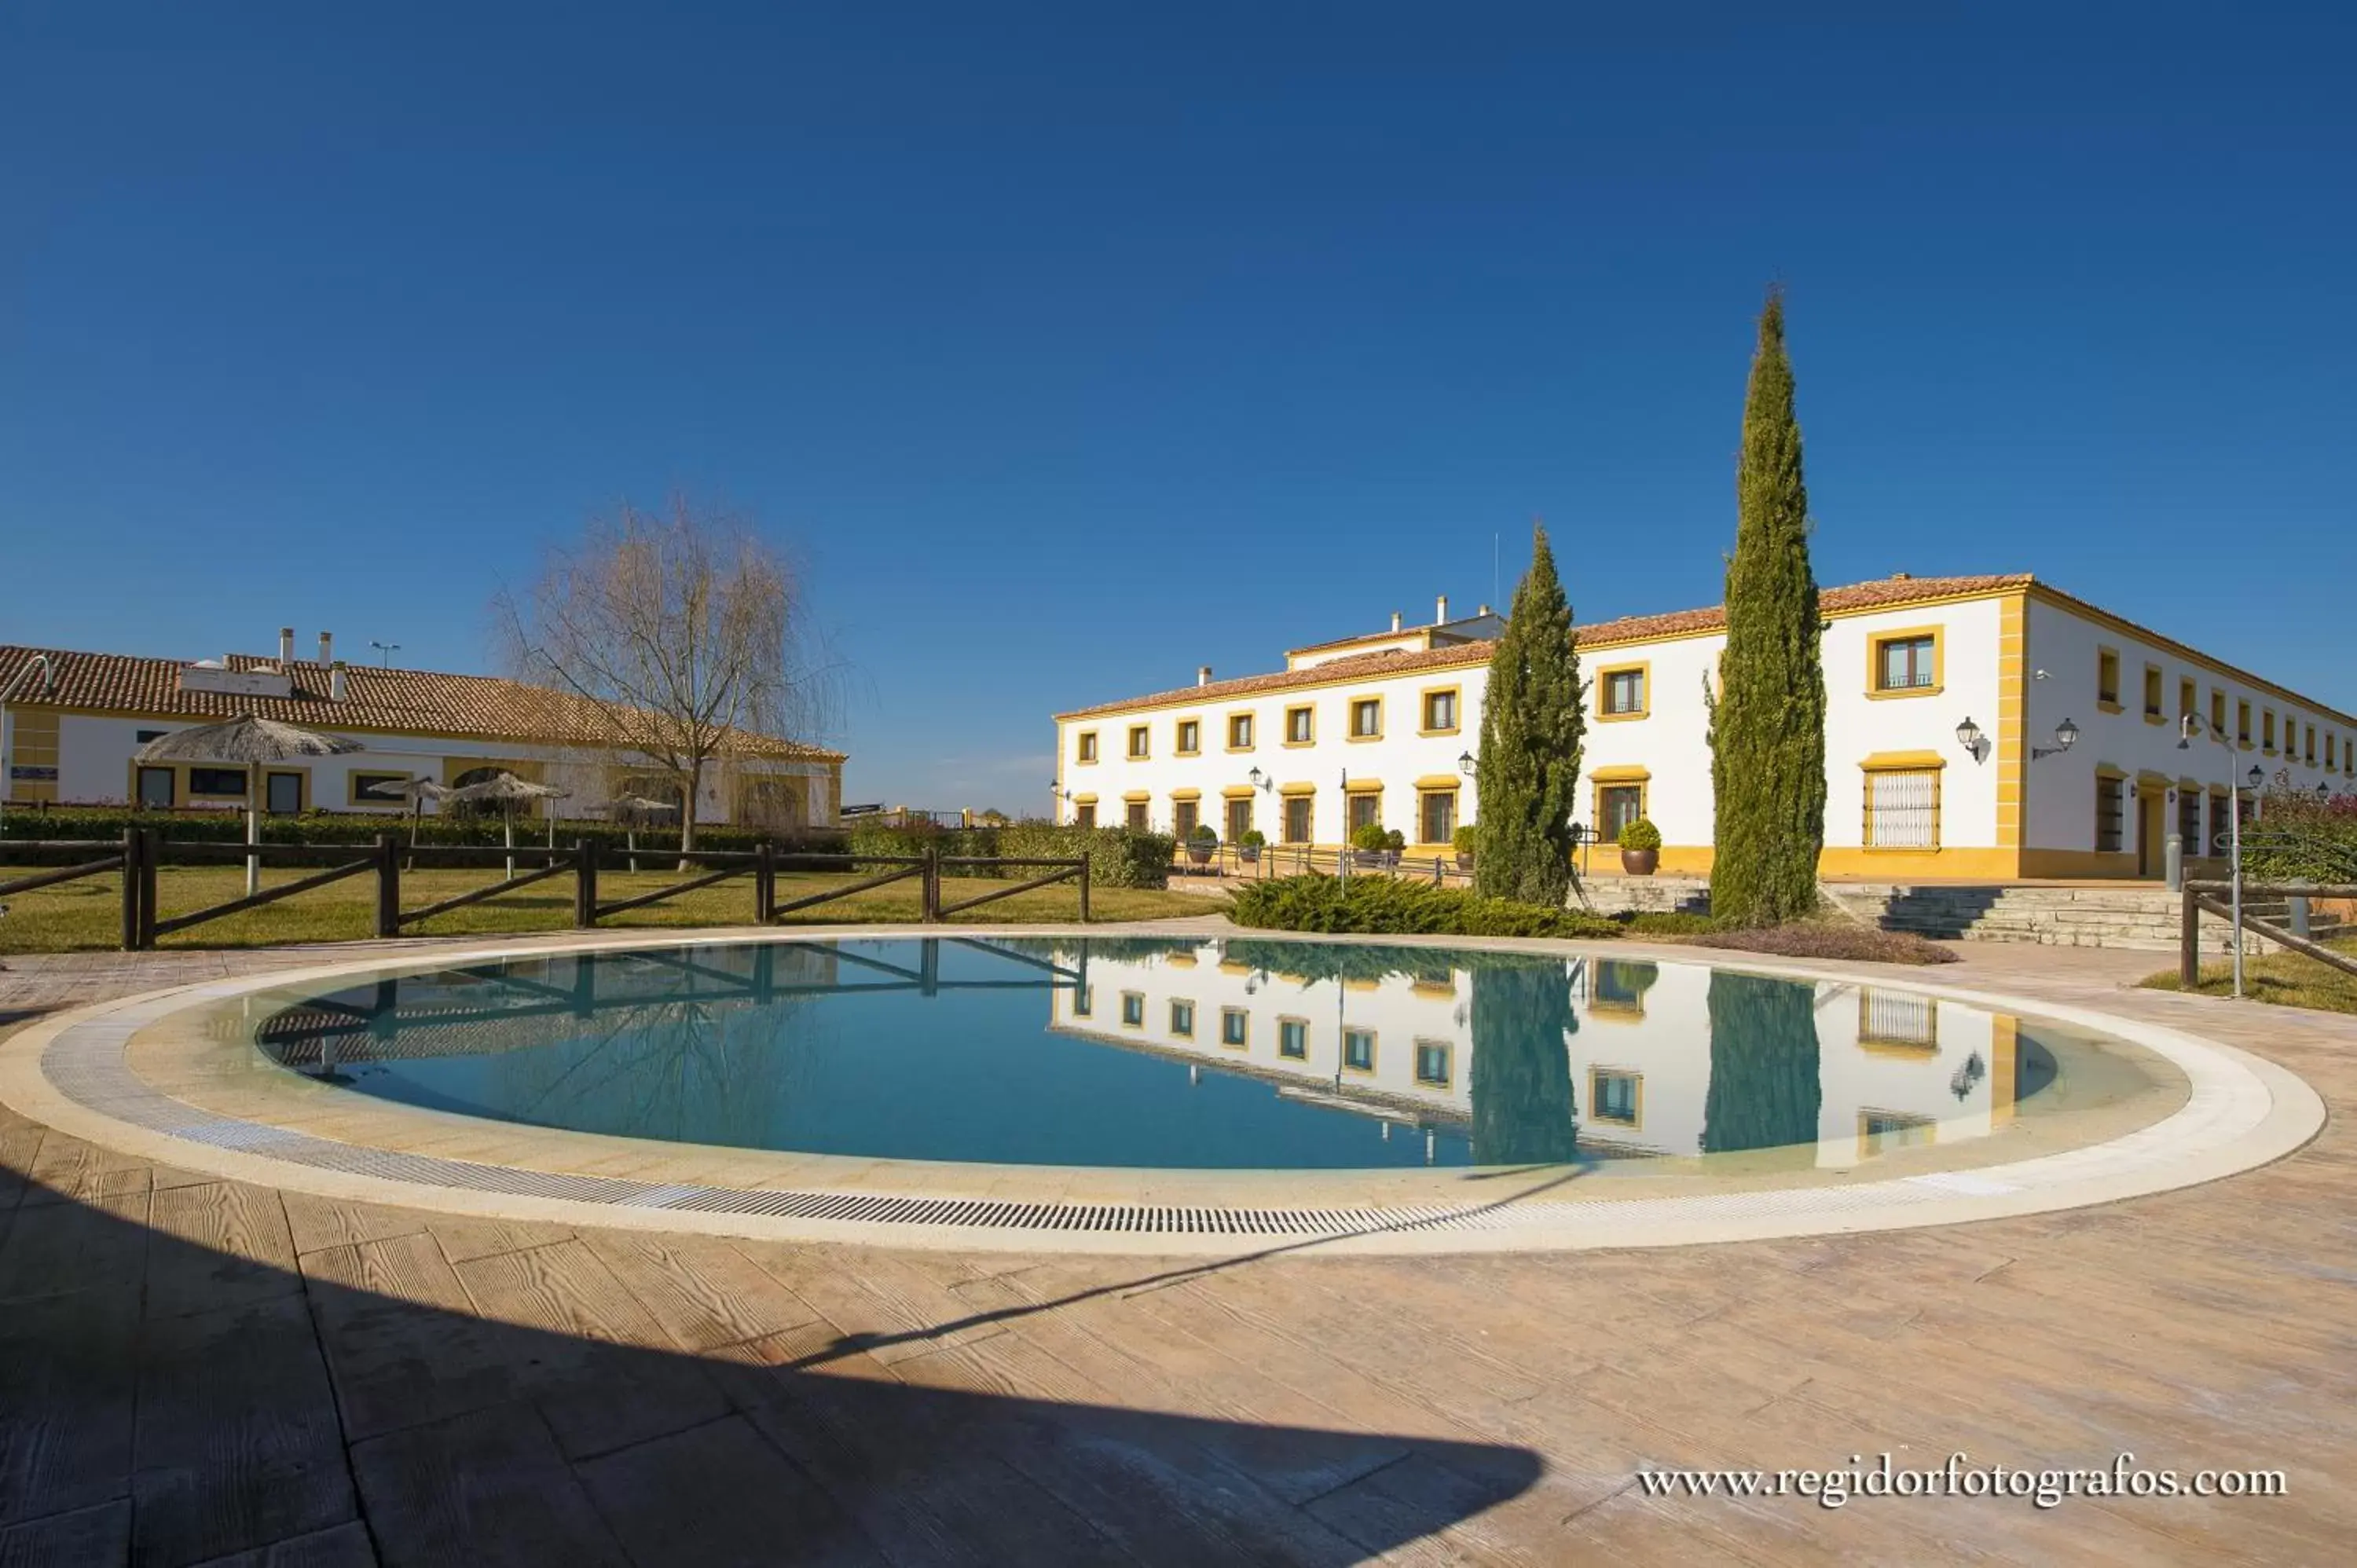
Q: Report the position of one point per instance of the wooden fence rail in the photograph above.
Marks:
(2210, 898)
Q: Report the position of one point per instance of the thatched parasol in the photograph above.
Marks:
(629, 811)
(413, 793)
(250, 743)
(507, 791)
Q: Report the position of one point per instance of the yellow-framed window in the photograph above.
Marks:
(1084, 745)
(1240, 732)
(1300, 725)
(1624, 690)
(1439, 714)
(1907, 662)
(1188, 738)
(2107, 679)
(1141, 741)
(1366, 718)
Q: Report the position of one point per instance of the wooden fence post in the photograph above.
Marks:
(388, 886)
(1084, 889)
(929, 885)
(151, 850)
(131, 846)
(765, 883)
(585, 881)
(2189, 941)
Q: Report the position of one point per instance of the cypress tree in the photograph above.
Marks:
(1768, 746)
(1524, 1111)
(1532, 722)
(1764, 1071)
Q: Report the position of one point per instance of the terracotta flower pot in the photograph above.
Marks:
(1464, 862)
(1198, 853)
(1639, 861)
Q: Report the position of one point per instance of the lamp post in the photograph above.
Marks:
(2187, 727)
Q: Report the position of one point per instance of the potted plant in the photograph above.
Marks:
(1462, 840)
(1248, 847)
(1640, 848)
(1201, 843)
(1371, 845)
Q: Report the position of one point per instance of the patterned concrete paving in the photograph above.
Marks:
(194, 1371)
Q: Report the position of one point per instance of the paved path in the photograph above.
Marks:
(192, 1369)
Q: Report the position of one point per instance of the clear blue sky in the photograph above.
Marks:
(1074, 346)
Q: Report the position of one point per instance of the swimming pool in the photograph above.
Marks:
(1236, 1054)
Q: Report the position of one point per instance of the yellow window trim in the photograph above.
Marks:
(1621, 775)
(1085, 800)
(1644, 708)
(1432, 783)
(1087, 749)
(2105, 770)
(1895, 1043)
(1874, 687)
(352, 796)
(1363, 787)
(1447, 1062)
(2110, 704)
(2155, 685)
(1286, 738)
(1596, 1075)
(1351, 718)
(1423, 708)
(1297, 788)
(1177, 726)
(1238, 792)
(1186, 794)
(1228, 730)
(1136, 798)
(1902, 761)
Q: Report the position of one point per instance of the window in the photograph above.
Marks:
(1235, 1026)
(2267, 729)
(1301, 726)
(1616, 1096)
(217, 781)
(1902, 809)
(2189, 819)
(1191, 736)
(1088, 745)
(374, 789)
(1238, 819)
(1437, 813)
(1879, 1132)
(1085, 1000)
(1135, 815)
(281, 793)
(2218, 713)
(1293, 1038)
(2152, 686)
(155, 787)
(2108, 813)
(1132, 1009)
(1182, 1019)
(2187, 701)
(1907, 662)
(2222, 826)
(1617, 805)
(1183, 817)
(1432, 1063)
(2107, 679)
(1366, 718)
(141, 738)
(1619, 985)
(1085, 814)
(1141, 740)
(1440, 712)
(1624, 693)
(1359, 1049)
(1297, 816)
(2307, 753)
(1240, 732)
(1366, 810)
(1897, 1018)
(2242, 725)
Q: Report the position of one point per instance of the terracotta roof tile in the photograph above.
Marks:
(1857, 596)
(407, 702)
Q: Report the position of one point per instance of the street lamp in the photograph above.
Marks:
(1258, 777)
(1968, 735)
(2185, 729)
(1465, 763)
(2066, 735)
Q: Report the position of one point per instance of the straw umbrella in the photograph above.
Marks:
(414, 794)
(629, 810)
(251, 744)
(507, 791)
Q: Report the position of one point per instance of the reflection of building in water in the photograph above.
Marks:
(1860, 1069)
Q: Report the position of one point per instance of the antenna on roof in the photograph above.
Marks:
(385, 650)
(1494, 567)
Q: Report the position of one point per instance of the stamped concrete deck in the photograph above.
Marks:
(192, 1369)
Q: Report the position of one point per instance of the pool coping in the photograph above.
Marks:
(74, 1071)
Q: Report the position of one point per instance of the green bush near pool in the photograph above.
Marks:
(1383, 906)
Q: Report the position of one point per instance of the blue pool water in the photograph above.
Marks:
(1235, 1053)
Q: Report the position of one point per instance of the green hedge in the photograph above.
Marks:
(1387, 906)
(2299, 838)
(1118, 857)
(355, 828)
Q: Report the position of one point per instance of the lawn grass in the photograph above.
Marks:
(86, 916)
(2286, 979)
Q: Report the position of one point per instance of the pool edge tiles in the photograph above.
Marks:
(77, 1072)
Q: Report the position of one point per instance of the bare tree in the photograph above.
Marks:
(670, 638)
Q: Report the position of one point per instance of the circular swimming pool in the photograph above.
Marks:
(1238, 1054)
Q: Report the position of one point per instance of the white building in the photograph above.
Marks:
(1382, 727)
(72, 722)
(1892, 1069)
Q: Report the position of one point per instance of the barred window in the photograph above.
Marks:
(2189, 819)
(2109, 816)
(1902, 810)
(1896, 1019)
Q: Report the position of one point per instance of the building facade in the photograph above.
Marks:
(70, 723)
(1976, 728)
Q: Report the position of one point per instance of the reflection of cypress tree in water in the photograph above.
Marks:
(1522, 1109)
(1764, 1092)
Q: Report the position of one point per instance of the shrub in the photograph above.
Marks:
(1371, 837)
(1254, 839)
(1641, 835)
(2300, 838)
(1118, 857)
(1395, 842)
(1461, 841)
(1668, 923)
(1384, 905)
(1832, 939)
(1204, 833)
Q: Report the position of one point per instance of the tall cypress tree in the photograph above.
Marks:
(1532, 722)
(1768, 750)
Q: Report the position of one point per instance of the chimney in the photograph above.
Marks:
(285, 645)
(1440, 611)
(335, 680)
(327, 648)
(1484, 610)
(1202, 675)
(1395, 620)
